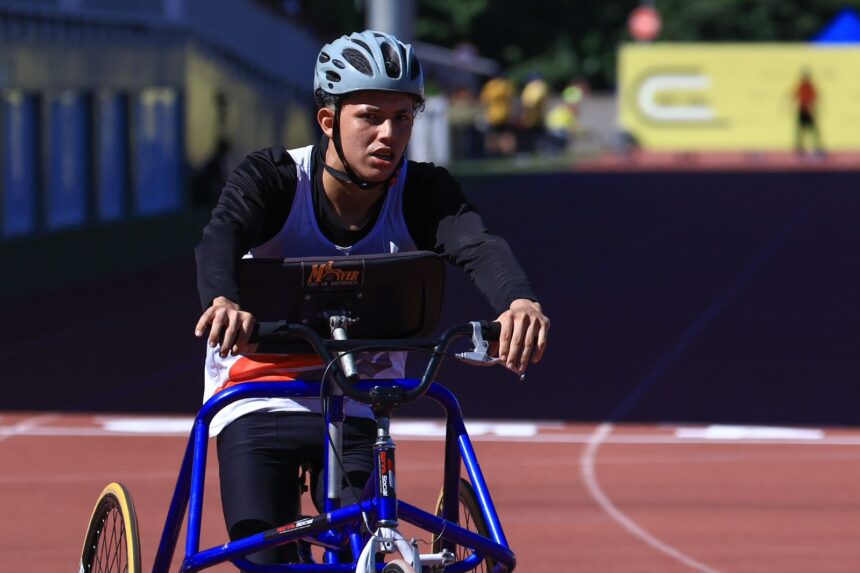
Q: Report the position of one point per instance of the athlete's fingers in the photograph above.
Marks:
(516, 343)
(231, 333)
(528, 345)
(203, 322)
(218, 319)
(505, 335)
(542, 337)
(246, 328)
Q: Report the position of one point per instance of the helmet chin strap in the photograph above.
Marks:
(349, 176)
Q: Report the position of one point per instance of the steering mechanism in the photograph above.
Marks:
(480, 355)
(339, 323)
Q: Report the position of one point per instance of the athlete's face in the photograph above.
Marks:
(375, 128)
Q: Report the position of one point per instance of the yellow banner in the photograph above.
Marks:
(739, 96)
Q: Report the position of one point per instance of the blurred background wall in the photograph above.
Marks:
(693, 272)
(109, 108)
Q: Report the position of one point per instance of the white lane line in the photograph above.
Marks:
(723, 432)
(123, 476)
(148, 426)
(654, 439)
(503, 432)
(26, 426)
(159, 426)
(416, 428)
(589, 476)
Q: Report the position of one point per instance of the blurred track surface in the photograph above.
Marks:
(572, 497)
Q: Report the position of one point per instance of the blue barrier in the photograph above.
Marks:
(107, 157)
(112, 155)
(68, 160)
(158, 151)
(20, 148)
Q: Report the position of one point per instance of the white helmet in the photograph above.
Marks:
(368, 60)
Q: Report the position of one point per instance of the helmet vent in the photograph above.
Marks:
(358, 61)
(338, 64)
(363, 44)
(392, 60)
(324, 57)
(332, 76)
(416, 68)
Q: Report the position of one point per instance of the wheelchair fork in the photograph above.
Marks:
(386, 539)
(383, 450)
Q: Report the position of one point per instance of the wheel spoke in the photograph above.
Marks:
(117, 549)
(103, 550)
(112, 541)
(469, 517)
(110, 546)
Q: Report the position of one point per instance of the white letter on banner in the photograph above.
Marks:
(649, 89)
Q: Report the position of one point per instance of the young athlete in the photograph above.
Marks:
(352, 194)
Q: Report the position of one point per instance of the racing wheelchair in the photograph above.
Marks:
(384, 303)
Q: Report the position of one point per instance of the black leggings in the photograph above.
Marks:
(259, 457)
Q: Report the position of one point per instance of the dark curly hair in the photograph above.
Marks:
(324, 99)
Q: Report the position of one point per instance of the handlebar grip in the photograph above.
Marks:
(491, 330)
(278, 338)
(265, 331)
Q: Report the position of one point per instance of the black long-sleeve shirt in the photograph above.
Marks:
(258, 196)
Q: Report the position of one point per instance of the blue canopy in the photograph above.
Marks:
(843, 29)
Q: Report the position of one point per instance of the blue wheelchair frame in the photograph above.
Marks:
(338, 527)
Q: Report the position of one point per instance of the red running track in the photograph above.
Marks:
(571, 497)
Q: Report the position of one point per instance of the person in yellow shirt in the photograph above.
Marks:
(533, 100)
(560, 126)
(562, 117)
(497, 97)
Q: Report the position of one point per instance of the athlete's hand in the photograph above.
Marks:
(225, 318)
(524, 334)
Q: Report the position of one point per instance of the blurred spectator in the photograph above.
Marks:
(806, 97)
(561, 119)
(533, 100)
(431, 133)
(625, 144)
(560, 127)
(573, 95)
(208, 181)
(497, 96)
(463, 117)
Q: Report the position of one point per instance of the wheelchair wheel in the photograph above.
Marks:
(398, 566)
(112, 543)
(471, 518)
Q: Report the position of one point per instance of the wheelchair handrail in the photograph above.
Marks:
(282, 332)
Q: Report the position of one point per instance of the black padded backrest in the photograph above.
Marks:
(393, 296)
